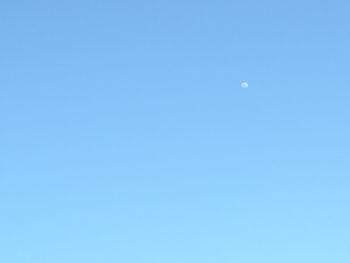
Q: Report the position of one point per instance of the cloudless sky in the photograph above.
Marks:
(125, 135)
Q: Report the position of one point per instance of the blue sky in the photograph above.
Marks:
(126, 136)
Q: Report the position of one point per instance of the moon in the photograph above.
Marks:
(244, 84)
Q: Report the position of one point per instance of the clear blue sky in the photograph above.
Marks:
(126, 137)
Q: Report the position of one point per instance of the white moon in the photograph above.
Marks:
(244, 84)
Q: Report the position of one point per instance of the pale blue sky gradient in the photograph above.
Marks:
(126, 136)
